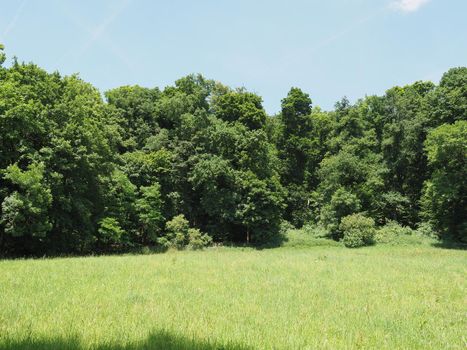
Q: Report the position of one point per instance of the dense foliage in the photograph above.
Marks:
(357, 230)
(82, 174)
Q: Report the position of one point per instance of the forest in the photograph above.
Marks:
(200, 163)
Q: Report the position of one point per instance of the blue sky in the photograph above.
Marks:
(329, 48)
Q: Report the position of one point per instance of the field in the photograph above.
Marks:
(382, 297)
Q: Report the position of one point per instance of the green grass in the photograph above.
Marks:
(381, 297)
(302, 239)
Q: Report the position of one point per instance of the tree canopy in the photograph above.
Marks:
(80, 173)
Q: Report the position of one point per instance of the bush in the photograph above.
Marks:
(177, 232)
(425, 229)
(342, 203)
(315, 231)
(285, 227)
(358, 230)
(180, 235)
(110, 231)
(391, 232)
(163, 242)
(198, 240)
(395, 234)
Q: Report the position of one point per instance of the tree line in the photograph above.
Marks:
(199, 162)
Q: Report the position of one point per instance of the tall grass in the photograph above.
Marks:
(382, 297)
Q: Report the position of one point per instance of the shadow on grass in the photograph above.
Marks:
(156, 340)
(450, 245)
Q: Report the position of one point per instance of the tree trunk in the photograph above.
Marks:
(247, 235)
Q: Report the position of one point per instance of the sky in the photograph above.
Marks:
(328, 48)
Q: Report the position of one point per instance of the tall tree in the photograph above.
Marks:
(445, 197)
(295, 145)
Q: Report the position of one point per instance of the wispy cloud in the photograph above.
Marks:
(351, 27)
(13, 21)
(408, 6)
(97, 33)
(307, 53)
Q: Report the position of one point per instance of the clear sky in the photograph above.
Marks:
(329, 48)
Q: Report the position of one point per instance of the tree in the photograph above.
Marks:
(406, 124)
(240, 106)
(348, 184)
(79, 174)
(25, 211)
(120, 196)
(342, 203)
(296, 153)
(296, 108)
(109, 232)
(150, 219)
(444, 200)
(448, 102)
(134, 110)
(78, 156)
(215, 181)
(2, 55)
(259, 209)
(295, 142)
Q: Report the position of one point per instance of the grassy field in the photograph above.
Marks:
(382, 297)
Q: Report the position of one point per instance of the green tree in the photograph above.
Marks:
(2, 54)
(78, 156)
(448, 102)
(406, 124)
(109, 232)
(260, 208)
(80, 174)
(25, 211)
(295, 145)
(149, 209)
(120, 196)
(244, 107)
(349, 183)
(134, 110)
(444, 200)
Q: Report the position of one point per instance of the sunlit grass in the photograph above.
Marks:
(382, 297)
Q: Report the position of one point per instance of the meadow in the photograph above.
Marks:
(329, 297)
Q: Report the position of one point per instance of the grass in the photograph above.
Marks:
(381, 297)
(302, 239)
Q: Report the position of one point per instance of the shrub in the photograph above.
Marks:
(110, 231)
(163, 242)
(391, 232)
(180, 235)
(358, 230)
(198, 240)
(177, 232)
(342, 203)
(395, 234)
(316, 231)
(285, 227)
(425, 229)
